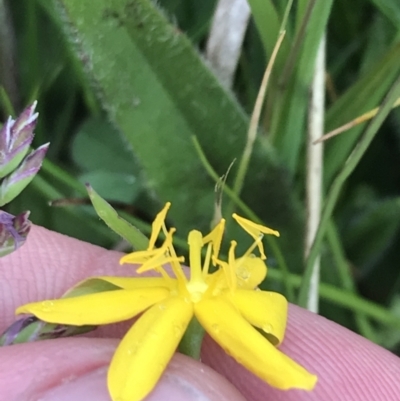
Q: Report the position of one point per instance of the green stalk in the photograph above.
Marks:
(346, 279)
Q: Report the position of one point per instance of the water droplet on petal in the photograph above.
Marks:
(267, 328)
(47, 306)
(243, 273)
(162, 306)
(215, 327)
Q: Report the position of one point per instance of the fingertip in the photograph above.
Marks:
(76, 369)
(348, 366)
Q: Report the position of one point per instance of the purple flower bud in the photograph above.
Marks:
(12, 185)
(15, 139)
(13, 231)
(30, 328)
(10, 336)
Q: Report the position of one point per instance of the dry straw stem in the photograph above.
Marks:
(255, 118)
(315, 168)
(361, 119)
(226, 37)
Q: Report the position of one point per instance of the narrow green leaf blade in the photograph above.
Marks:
(109, 215)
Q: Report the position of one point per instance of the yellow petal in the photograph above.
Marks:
(263, 309)
(250, 271)
(244, 343)
(146, 349)
(132, 283)
(101, 308)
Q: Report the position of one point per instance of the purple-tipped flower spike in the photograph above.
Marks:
(12, 185)
(13, 231)
(30, 328)
(15, 139)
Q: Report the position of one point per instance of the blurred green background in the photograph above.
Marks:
(122, 89)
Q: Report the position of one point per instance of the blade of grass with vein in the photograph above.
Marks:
(287, 126)
(344, 274)
(268, 23)
(364, 95)
(390, 8)
(345, 299)
(337, 185)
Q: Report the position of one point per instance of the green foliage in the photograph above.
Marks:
(116, 223)
(122, 90)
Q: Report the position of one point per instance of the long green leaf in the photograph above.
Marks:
(292, 97)
(158, 91)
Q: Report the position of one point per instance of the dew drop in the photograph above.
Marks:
(267, 328)
(243, 273)
(215, 327)
(47, 306)
(162, 306)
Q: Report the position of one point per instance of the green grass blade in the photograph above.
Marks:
(109, 215)
(363, 96)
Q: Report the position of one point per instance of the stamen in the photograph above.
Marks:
(176, 267)
(215, 237)
(255, 244)
(158, 223)
(207, 259)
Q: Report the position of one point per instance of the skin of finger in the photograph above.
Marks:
(348, 366)
(48, 265)
(33, 371)
(27, 370)
(45, 267)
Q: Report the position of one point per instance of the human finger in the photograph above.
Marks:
(348, 366)
(74, 369)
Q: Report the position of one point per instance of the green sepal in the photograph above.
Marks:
(190, 344)
(90, 286)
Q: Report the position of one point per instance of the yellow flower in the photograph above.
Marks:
(226, 303)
